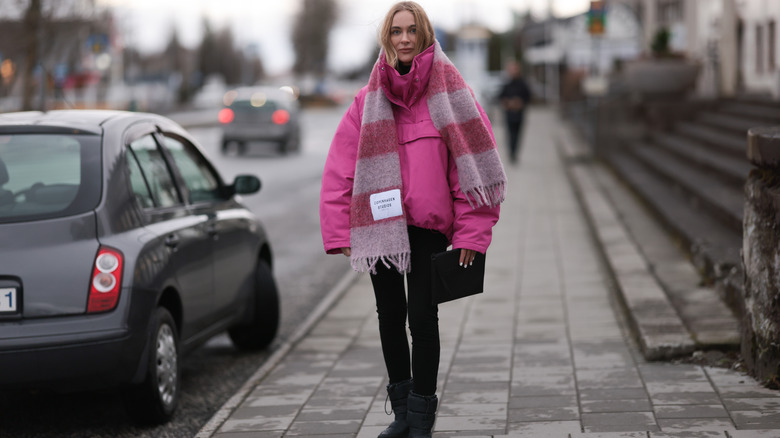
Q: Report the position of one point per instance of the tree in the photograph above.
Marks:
(218, 55)
(33, 23)
(310, 35)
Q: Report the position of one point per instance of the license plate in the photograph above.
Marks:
(8, 300)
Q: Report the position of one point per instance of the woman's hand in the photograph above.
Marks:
(346, 251)
(467, 257)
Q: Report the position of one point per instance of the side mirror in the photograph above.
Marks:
(246, 184)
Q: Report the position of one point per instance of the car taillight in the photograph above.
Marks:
(280, 117)
(226, 115)
(106, 280)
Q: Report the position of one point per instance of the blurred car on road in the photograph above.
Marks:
(260, 114)
(122, 250)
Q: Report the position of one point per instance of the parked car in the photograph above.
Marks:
(122, 250)
(260, 114)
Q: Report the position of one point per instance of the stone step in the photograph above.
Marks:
(763, 114)
(731, 144)
(714, 247)
(711, 323)
(627, 232)
(658, 328)
(732, 124)
(759, 99)
(720, 199)
(728, 168)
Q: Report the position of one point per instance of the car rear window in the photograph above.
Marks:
(44, 176)
(248, 105)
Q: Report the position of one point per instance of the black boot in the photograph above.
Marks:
(399, 395)
(421, 414)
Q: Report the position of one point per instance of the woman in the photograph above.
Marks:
(412, 168)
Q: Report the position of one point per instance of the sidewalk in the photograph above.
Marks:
(544, 352)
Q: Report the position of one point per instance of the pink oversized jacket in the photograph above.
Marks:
(432, 198)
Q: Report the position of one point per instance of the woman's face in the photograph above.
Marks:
(403, 36)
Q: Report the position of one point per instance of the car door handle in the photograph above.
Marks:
(172, 241)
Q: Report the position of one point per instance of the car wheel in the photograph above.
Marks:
(259, 333)
(154, 400)
(283, 147)
(294, 143)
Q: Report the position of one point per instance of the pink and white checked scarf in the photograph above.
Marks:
(454, 113)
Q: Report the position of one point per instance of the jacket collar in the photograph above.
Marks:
(405, 90)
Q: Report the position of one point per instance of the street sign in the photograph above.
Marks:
(597, 18)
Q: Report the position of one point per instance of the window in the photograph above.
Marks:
(155, 171)
(48, 175)
(201, 182)
(138, 182)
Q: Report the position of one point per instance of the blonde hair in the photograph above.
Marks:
(425, 35)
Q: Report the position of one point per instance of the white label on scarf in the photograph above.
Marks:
(386, 204)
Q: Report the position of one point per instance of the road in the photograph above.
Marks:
(288, 206)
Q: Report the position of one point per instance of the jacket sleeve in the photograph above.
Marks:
(337, 180)
(472, 227)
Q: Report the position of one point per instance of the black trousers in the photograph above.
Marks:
(515, 129)
(393, 308)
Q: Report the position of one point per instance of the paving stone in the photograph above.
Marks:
(752, 419)
(482, 423)
(613, 394)
(691, 411)
(562, 385)
(339, 402)
(459, 387)
(752, 433)
(543, 402)
(252, 434)
(260, 424)
(752, 404)
(309, 414)
(618, 422)
(543, 429)
(671, 386)
(747, 391)
(378, 419)
(544, 414)
(686, 398)
(257, 399)
(609, 435)
(724, 377)
(608, 378)
(247, 411)
(489, 397)
(695, 425)
(330, 427)
(666, 372)
(475, 375)
(604, 406)
(472, 410)
(690, 434)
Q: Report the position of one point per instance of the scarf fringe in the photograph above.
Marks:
(401, 262)
(491, 195)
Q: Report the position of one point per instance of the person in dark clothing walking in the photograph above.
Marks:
(514, 97)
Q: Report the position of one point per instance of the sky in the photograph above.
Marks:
(264, 25)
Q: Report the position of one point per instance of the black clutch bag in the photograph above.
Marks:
(450, 281)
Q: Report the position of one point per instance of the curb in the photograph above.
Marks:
(224, 412)
(654, 321)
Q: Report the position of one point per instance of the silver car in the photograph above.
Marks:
(122, 249)
(260, 114)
